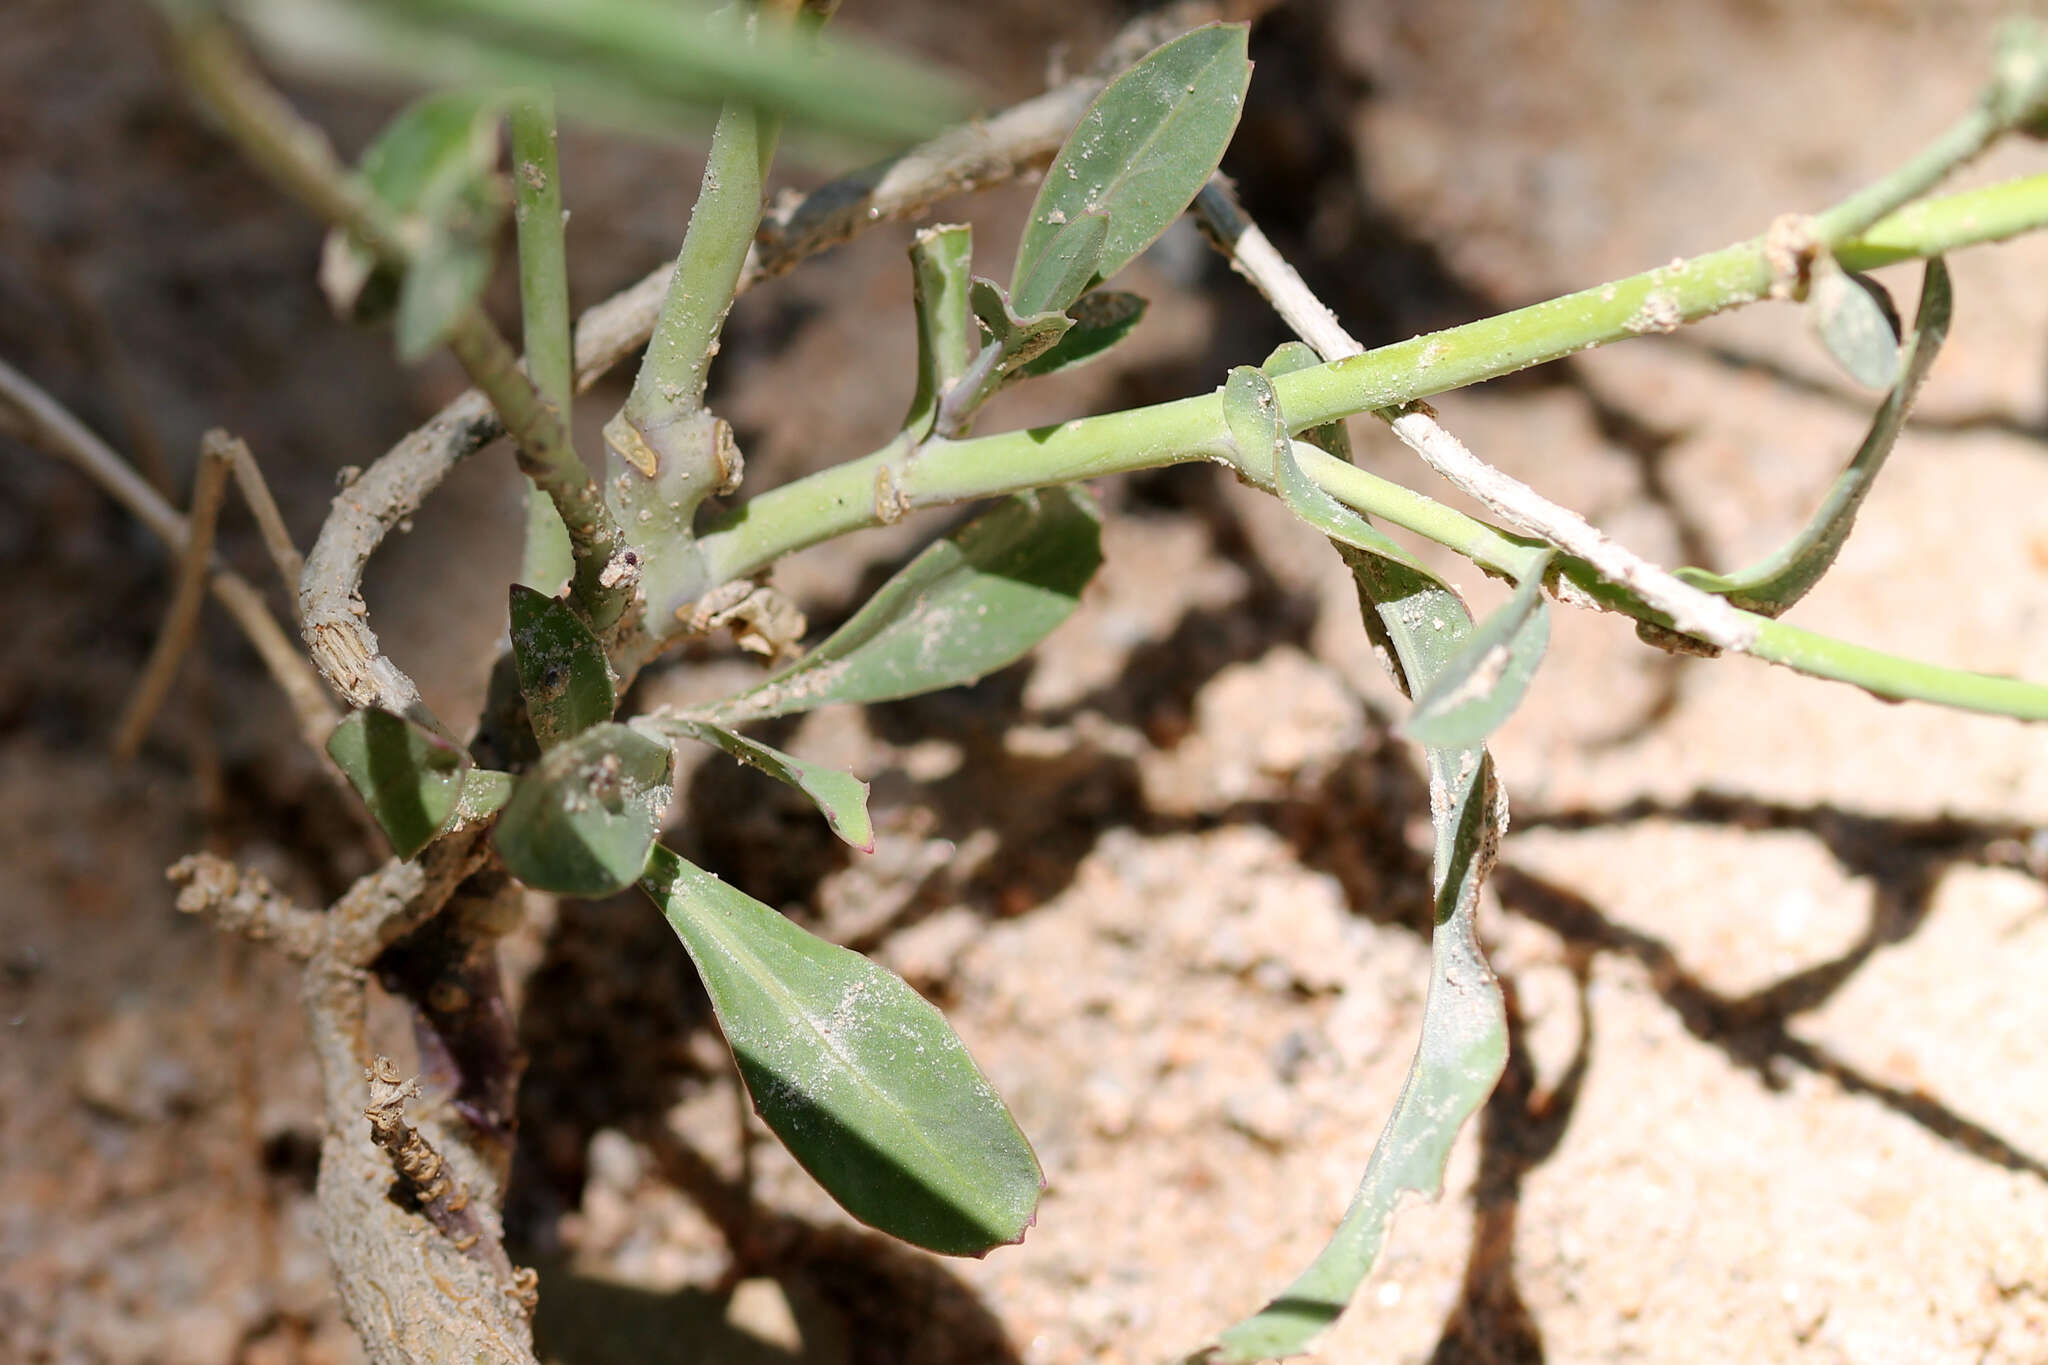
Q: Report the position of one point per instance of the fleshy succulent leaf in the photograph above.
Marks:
(1143, 150)
(858, 1075)
(562, 670)
(410, 778)
(969, 604)
(582, 821)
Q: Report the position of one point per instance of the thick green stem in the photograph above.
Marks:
(882, 486)
(670, 386)
(546, 559)
(844, 498)
(1935, 227)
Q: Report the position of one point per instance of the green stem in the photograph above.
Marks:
(670, 386)
(843, 498)
(1962, 143)
(1935, 227)
(547, 457)
(2016, 96)
(881, 486)
(546, 559)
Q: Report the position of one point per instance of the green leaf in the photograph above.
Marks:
(1019, 338)
(1066, 268)
(1101, 320)
(1251, 411)
(1856, 322)
(484, 794)
(1421, 628)
(562, 670)
(1334, 437)
(646, 64)
(1144, 148)
(940, 261)
(857, 1074)
(1257, 427)
(1478, 689)
(409, 777)
(434, 166)
(582, 822)
(443, 282)
(1774, 583)
(968, 605)
(840, 796)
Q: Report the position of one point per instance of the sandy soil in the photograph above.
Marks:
(1773, 950)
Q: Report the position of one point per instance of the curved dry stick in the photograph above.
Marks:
(334, 618)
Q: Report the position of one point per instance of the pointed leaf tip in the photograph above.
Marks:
(839, 796)
(1481, 685)
(562, 669)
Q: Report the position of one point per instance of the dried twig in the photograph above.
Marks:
(188, 592)
(243, 901)
(269, 521)
(1692, 612)
(46, 424)
(426, 1178)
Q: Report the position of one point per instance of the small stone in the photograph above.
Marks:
(760, 1308)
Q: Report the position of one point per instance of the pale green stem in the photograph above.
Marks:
(2017, 94)
(671, 382)
(1961, 144)
(546, 559)
(883, 485)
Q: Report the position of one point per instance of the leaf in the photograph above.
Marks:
(1066, 268)
(647, 64)
(1332, 437)
(1101, 320)
(1478, 689)
(443, 282)
(409, 777)
(1856, 322)
(1258, 426)
(1144, 148)
(840, 796)
(433, 166)
(1774, 583)
(968, 605)
(1019, 338)
(1251, 411)
(1420, 628)
(562, 670)
(581, 823)
(940, 260)
(857, 1074)
(484, 794)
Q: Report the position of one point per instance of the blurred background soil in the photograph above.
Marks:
(1773, 951)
